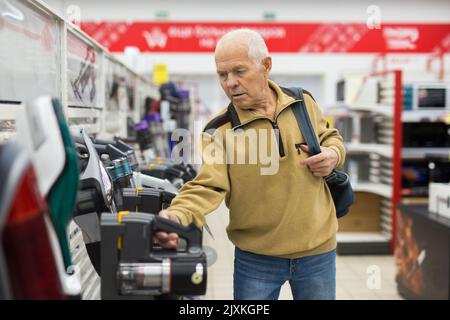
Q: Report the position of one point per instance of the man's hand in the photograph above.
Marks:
(322, 164)
(165, 239)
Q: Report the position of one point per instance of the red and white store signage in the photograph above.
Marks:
(280, 37)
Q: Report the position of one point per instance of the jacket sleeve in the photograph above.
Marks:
(328, 137)
(207, 190)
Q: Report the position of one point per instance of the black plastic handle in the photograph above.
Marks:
(191, 233)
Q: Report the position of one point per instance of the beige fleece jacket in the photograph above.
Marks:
(287, 214)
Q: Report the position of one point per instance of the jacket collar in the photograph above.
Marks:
(240, 117)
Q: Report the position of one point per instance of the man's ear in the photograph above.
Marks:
(267, 64)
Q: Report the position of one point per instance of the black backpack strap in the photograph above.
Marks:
(304, 122)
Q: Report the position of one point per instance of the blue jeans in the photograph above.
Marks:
(259, 277)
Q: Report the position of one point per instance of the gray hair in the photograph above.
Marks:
(257, 48)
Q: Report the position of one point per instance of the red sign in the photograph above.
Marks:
(280, 37)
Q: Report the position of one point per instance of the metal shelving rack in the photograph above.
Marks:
(380, 96)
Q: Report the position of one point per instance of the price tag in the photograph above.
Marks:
(160, 74)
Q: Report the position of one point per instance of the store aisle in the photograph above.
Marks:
(352, 271)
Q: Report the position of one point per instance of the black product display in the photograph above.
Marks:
(133, 268)
(426, 135)
(417, 174)
(148, 200)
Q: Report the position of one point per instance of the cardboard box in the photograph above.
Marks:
(439, 195)
(364, 215)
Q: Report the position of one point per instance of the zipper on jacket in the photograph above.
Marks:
(280, 141)
(274, 126)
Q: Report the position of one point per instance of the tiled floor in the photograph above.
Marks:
(358, 277)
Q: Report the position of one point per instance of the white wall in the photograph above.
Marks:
(288, 66)
(252, 10)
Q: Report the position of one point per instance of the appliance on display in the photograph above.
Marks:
(126, 150)
(94, 197)
(42, 129)
(426, 96)
(28, 265)
(134, 268)
(149, 175)
(38, 130)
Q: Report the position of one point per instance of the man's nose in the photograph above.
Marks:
(232, 82)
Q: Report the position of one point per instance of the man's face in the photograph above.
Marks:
(243, 81)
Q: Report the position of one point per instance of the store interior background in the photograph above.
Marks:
(366, 269)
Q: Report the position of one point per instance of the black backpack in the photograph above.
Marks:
(338, 181)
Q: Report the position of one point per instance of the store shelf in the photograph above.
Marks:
(363, 242)
(361, 236)
(83, 112)
(386, 110)
(377, 188)
(374, 167)
(425, 115)
(8, 111)
(91, 129)
(415, 201)
(423, 153)
(381, 149)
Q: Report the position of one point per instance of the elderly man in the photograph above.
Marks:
(283, 225)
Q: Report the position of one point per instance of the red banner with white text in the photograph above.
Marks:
(184, 37)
